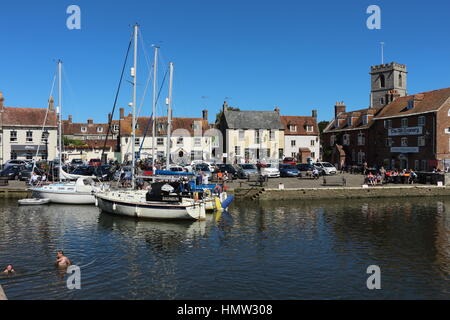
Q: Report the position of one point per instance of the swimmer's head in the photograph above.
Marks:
(60, 253)
(9, 268)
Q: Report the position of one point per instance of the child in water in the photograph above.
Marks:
(9, 269)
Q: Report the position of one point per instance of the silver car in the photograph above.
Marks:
(246, 170)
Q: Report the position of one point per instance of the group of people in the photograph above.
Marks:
(382, 176)
(61, 262)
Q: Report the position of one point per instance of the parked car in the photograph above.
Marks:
(290, 160)
(202, 167)
(95, 162)
(228, 168)
(326, 167)
(25, 174)
(12, 172)
(76, 163)
(247, 169)
(84, 171)
(288, 170)
(270, 170)
(104, 172)
(14, 163)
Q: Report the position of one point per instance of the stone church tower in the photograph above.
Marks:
(388, 82)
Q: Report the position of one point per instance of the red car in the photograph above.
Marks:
(290, 161)
(95, 162)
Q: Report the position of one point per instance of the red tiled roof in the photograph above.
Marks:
(357, 122)
(300, 123)
(423, 102)
(91, 128)
(94, 144)
(28, 117)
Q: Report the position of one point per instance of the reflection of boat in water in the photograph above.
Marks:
(175, 229)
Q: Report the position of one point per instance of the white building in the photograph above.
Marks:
(301, 137)
(24, 135)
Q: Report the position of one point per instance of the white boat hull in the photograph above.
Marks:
(150, 210)
(64, 197)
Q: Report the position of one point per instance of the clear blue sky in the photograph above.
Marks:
(298, 55)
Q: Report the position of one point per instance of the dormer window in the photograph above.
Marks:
(365, 120)
(99, 129)
(410, 105)
(309, 129)
(349, 121)
(292, 128)
(116, 127)
(83, 129)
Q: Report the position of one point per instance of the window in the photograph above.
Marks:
(83, 129)
(29, 156)
(421, 141)
(346, 140)
(404, 142)
(389, 142)
(424, 165)
(293, 143)
(272, 135)
(180, 141)
(29, 136)
(349, 121)
(197, 142)
(116, 127)
(309, 128)
(365, 120)
(292, 128)
(416, 165)
(44, 137)
(99, 129)
(196, 125)
(410, 105)
(382, 81)
(361, 139)
(257, 136)
(160, 141)
(13, 137)
(381, 100)
(294, 155)
(332, 140)
(387, 124)
(404, 123)
(361, 157)
(400, 80)
(237, 150)
(421, 121)
(313, 155)
(13, 156)
(313, 143)
(137, 141)
(241, 134)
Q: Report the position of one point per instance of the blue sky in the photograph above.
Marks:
(298, 55)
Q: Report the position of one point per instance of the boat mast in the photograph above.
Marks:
(155, 71)
(60, 118)
(169, 115)
(133, 134)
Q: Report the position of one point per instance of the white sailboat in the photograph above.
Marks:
(79, 192)
(167, 203)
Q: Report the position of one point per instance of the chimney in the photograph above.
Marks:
(51, 104)
(2, 100)
(90, 121)
(277, 110)
(70, 118)
(205, 115)
(314, 114)
(122, 113)
(339, 108)
(109, 117)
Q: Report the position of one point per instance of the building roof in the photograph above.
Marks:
(145, 122)
(94, 144)
(424, 102)
(358, 122)
(28, 117)
(253, 120)
(301, 123)
(70, 128)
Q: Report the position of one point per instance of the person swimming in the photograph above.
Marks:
(9, 269)
(61, 260)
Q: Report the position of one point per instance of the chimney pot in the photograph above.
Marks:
(122, 114)
(314, 114)
(51, 104)
(2, 100)
(277, 110)
(90, 121)
(70, 118)
(205, 115)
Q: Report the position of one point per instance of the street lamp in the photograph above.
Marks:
(45, 135)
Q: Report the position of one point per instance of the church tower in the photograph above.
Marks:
(388, 82)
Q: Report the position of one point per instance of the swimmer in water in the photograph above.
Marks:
(9, 269)
(61, 260)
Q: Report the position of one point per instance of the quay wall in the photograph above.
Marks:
(14, 193)
(267, 194)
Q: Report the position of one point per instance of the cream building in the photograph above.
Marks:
(25, 136)
(251, 136)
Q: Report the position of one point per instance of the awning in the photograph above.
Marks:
(30, 148)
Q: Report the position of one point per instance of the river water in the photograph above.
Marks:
(279, 250)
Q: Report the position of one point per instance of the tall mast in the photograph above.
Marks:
(169, 115)
(155, 71)
(59, 117)
(133, 139)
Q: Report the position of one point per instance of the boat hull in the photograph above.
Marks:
(64, 197)
(151, 210)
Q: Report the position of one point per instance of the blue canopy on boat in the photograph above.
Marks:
(172, 173)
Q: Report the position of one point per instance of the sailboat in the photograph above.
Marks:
(164, 201)
(80, 191)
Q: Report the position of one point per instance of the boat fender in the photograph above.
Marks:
(218, 189)
(96, 202)
(114, 207)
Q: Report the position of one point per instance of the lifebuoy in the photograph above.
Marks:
(218, 189)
